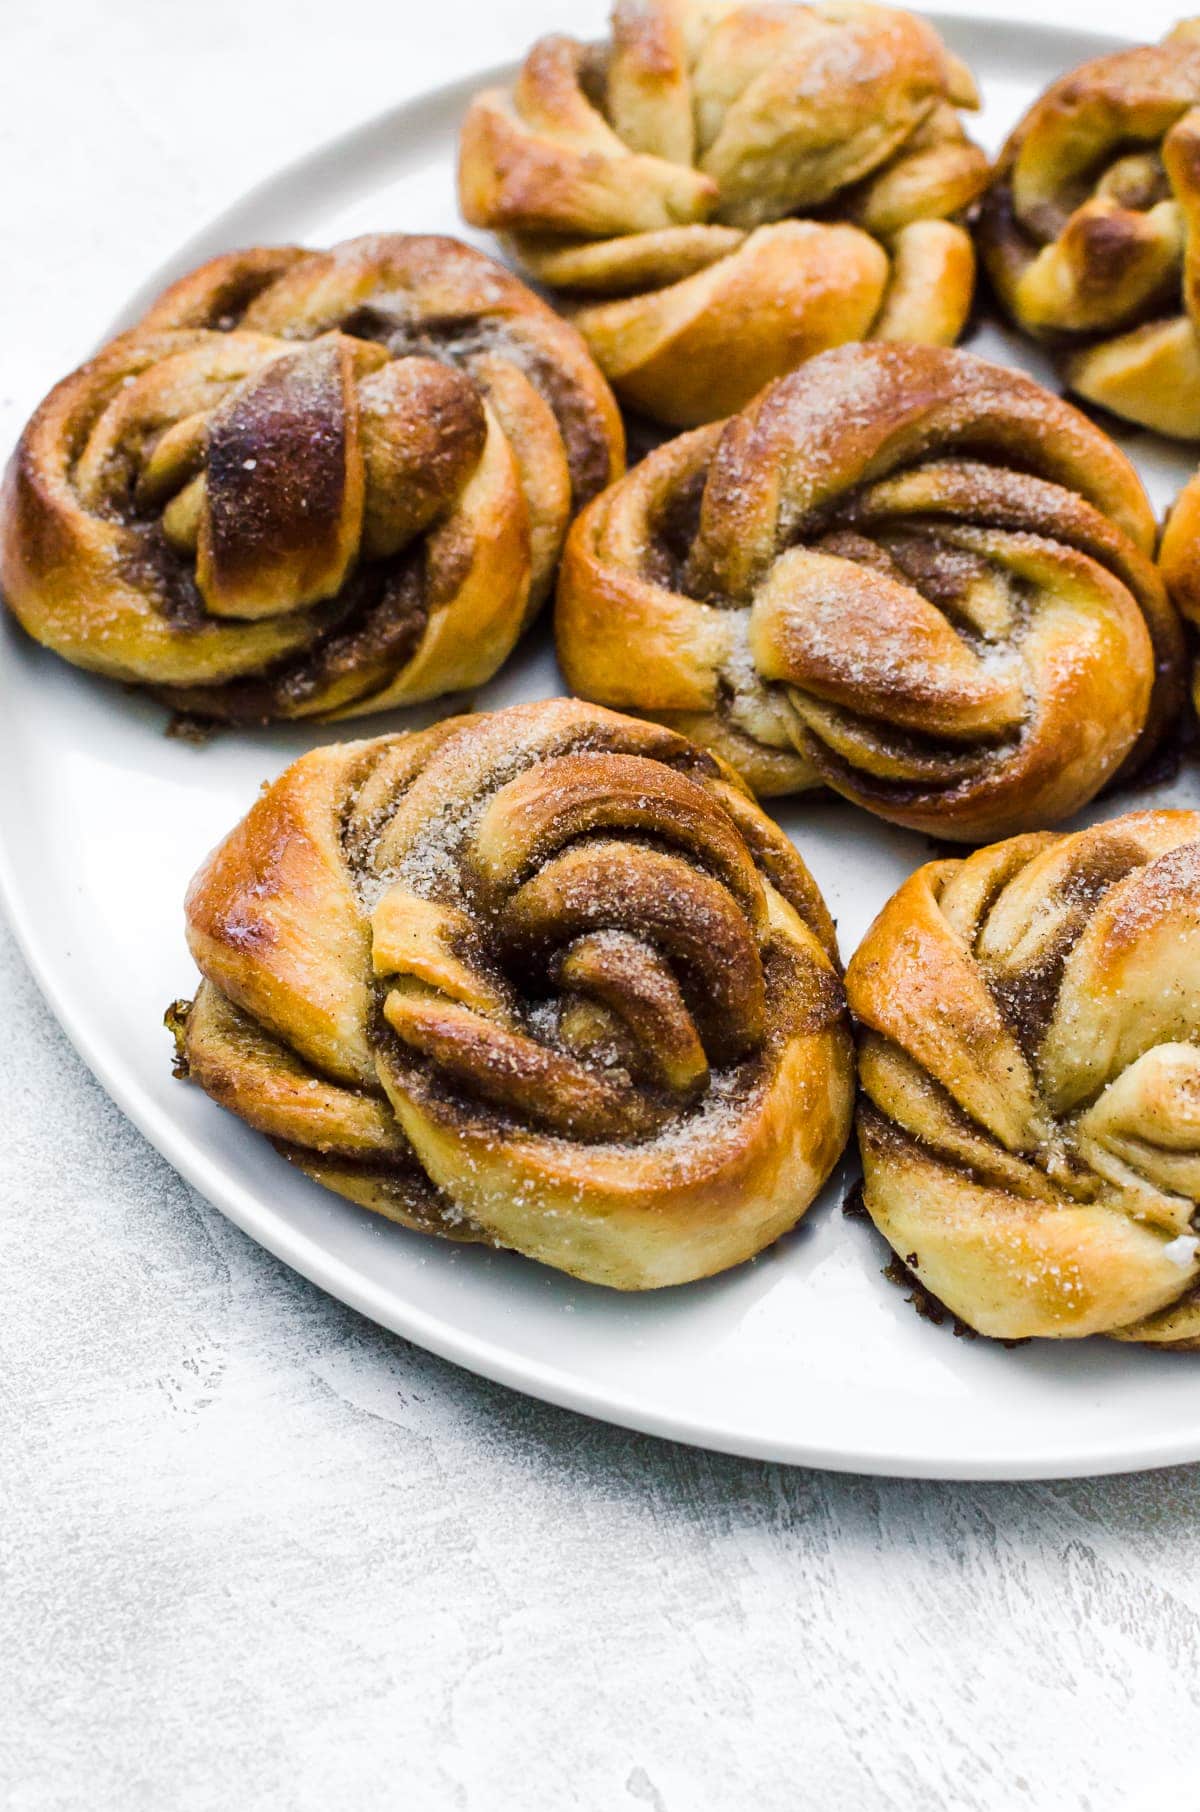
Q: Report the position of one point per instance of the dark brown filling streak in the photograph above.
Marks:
(458, 340)
(1027, 999)
(908, 551)
(906, 554)
(998, 217)
(241, 290)
(817, 1002)
(370, 630)
(375, 623)
(403, 1178)
(941, 575)
(655, 1109)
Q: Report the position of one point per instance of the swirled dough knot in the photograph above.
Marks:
(1030, 1068)
(1089, 230)
(546, 978)
(901, 572)
(723, 190)
(309, 483)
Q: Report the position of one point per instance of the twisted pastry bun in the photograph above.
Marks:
(656, 179)
(546, 978)
(1030, 1072)
(309, 483)
(901, 572)
(1088, 232)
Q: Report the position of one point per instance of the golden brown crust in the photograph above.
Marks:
(1030, 1067)
(309, 483)
(546, 978)
(1179, 561)
(902, 572)
(655, 180)
(1088, 231)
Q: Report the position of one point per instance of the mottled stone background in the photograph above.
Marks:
(256, 1553)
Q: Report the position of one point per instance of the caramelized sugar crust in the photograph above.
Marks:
(309, 483)
(547, 979)
(901, 572)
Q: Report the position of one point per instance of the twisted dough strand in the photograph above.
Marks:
(902, 572)
(547, 979)
(654, 179)
(309, 483)
(1030, 1061)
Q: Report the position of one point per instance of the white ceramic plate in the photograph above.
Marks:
(807, 1354)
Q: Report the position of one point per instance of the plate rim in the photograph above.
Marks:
(439, 1334)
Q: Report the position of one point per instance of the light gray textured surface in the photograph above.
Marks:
(256, 1553)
